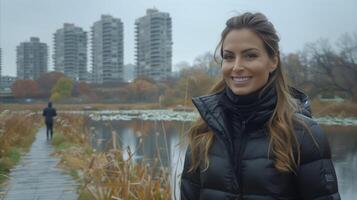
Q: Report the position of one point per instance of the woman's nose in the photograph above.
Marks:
(237, 65)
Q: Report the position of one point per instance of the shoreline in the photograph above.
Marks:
(319, 108)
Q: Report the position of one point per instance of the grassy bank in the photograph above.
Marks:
(319, 108)
(39, 107)
(342, 109)
(339, 129)
(17, 132)
(105, 176)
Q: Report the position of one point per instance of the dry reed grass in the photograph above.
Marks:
(343, 109)
(107, 175)
(17, 132)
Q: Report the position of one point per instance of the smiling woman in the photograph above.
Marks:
(255, 138)
(246, 64)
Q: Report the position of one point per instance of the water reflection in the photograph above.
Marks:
(154, 139)
(146, 140)
(343, 141)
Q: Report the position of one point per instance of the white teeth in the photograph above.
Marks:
(245, 78)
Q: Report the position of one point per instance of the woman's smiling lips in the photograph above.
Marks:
(241, 80)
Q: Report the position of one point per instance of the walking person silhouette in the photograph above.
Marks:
(49, 112)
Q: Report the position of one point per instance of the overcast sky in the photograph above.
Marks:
(196, 23)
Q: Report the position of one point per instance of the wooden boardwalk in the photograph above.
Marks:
(36, 177)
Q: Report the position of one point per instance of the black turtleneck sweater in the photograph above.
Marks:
(251, 111)
(245, 114)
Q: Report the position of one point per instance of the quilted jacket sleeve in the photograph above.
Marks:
(190, 181)
(316, 175)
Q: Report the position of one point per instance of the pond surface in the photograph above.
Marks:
(161, 139)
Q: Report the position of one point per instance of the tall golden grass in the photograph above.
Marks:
(17, 132)
(343, 109)
(106, 175)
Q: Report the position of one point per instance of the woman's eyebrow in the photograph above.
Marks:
(244, 51)
(227, 51)
(250, 49)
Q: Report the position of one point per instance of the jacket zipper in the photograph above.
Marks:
(242, 143)
(230, 152)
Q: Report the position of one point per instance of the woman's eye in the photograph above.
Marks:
(251, 56)
(227, 57)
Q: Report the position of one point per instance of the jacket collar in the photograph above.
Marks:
(303, 101)
(212, 112)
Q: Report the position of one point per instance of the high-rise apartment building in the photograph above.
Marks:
(107, 50)
(70, 52)
(31, 59)
(153, 37)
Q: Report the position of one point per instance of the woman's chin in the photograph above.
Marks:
(241, 90)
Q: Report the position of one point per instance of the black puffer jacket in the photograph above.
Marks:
(257, 178)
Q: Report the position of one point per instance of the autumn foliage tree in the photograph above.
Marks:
(47, 81)
(193, 82)
(142, 91)
(198, 81)
(81, 89)
(62, 89)
(24, 88)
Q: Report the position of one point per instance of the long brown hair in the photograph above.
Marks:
(282, 140)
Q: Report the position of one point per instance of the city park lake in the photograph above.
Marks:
(157, 135)
(164, 129)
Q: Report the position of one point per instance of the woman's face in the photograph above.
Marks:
(246, 63)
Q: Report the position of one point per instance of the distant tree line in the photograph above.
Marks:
(53, 85)
(319, 69)
(326, 70)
